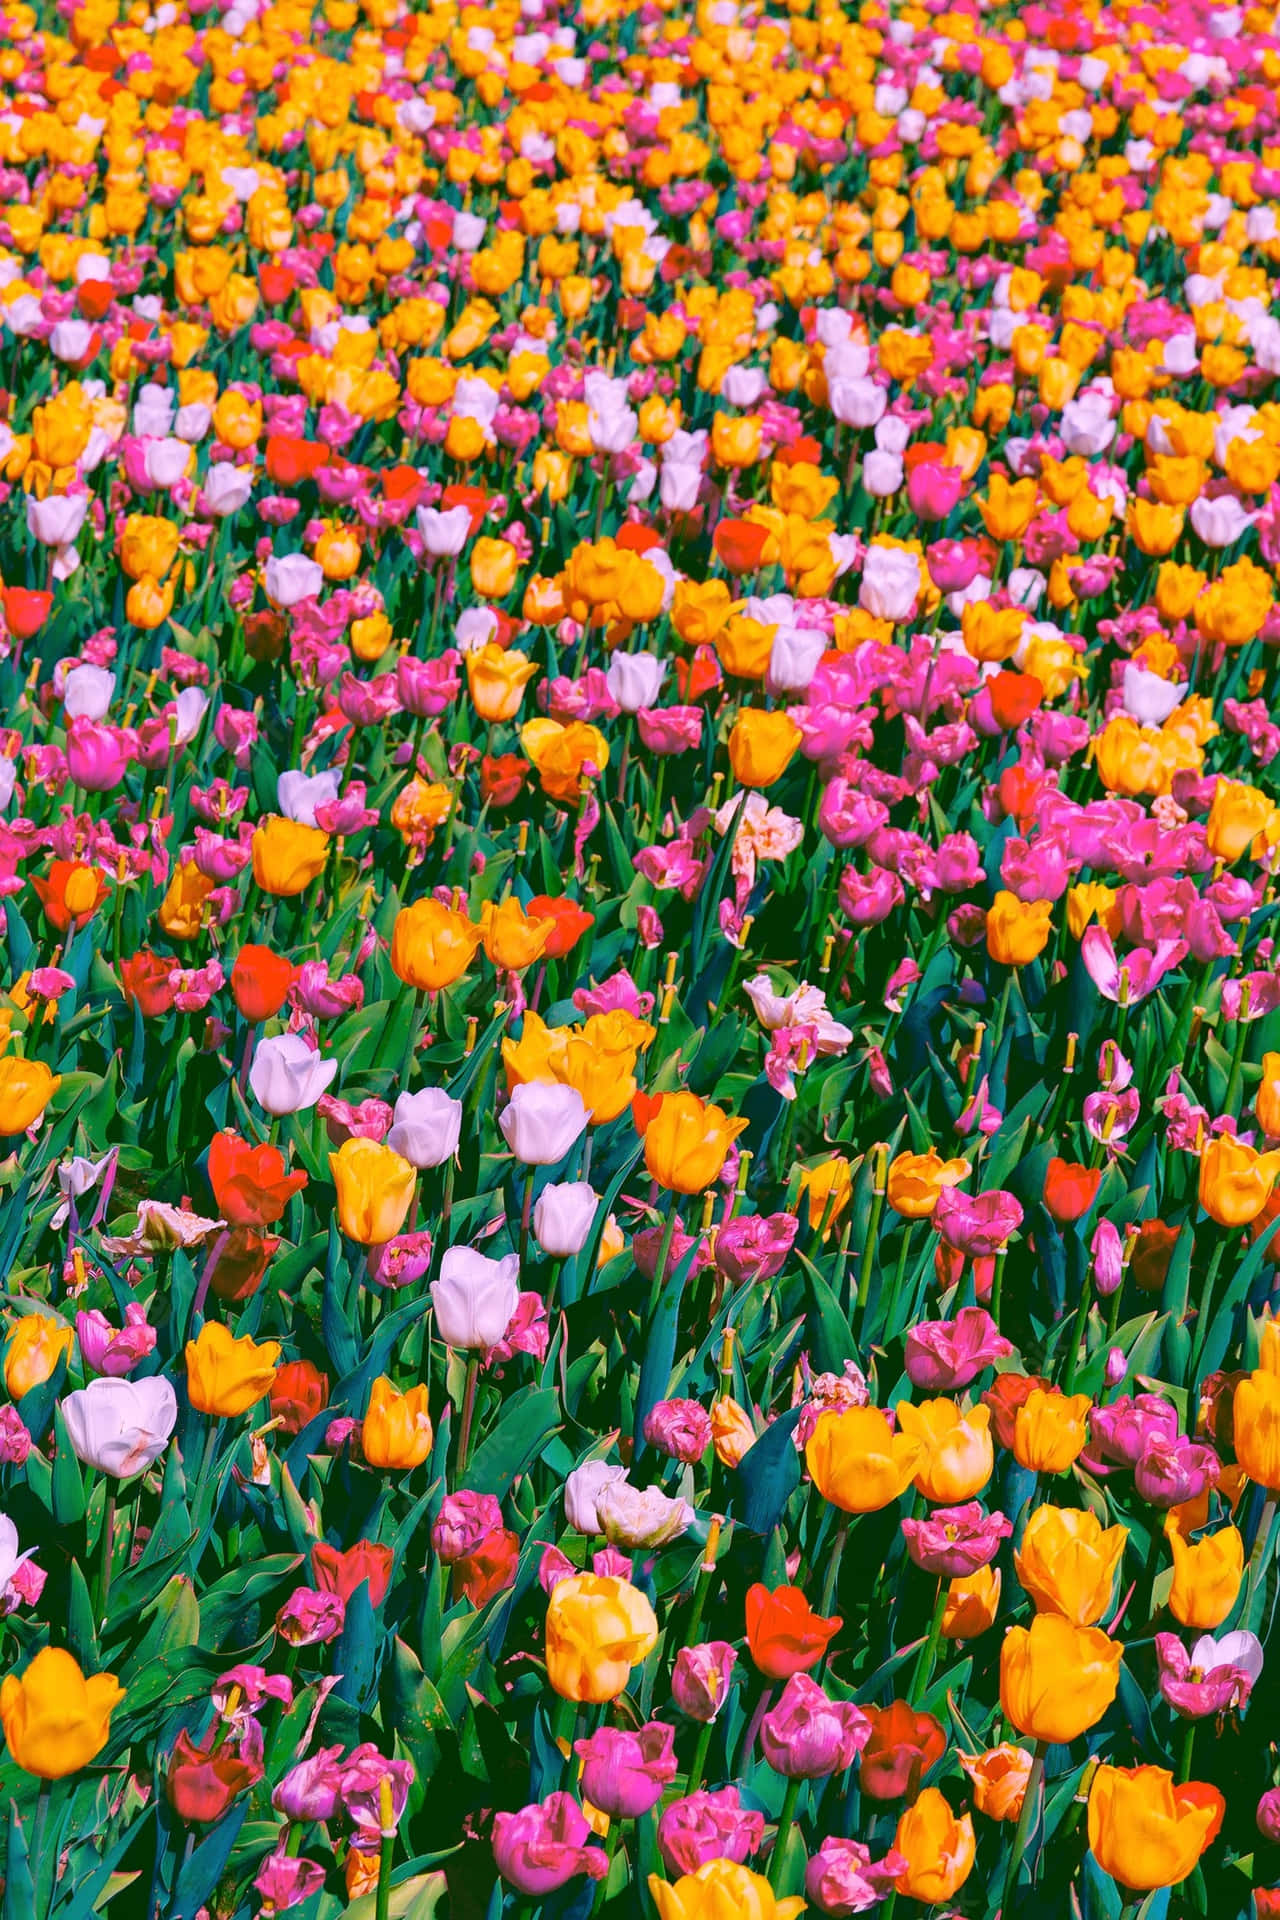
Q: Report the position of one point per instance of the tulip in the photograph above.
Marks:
(903, 1746)
(999, 1779)
(1070, 1191)
(721, 1887)
(36, 1344)
(540, 1123)
(563, 1216)
(956, 1540)
(1057, 1680)
(807, 1736)
(625, 1774)
(260, 981)
(917, 1180)
(1050, 1431)
(582, 1491)
(202, 1783)
(943, 1356)
(1235, 1181)
(55, 1720)
(1145, 1831)
(226, 1376)
(641, 1517)
(250, 1185)
(706, 1826)
(762, 746)
(972, 1603)
(957, 1458)
(367, 1563)
(598, 1629)
(375, 1190)
(426, 1127)
(700, 1679)
(397, 1427)
(784, 1634)
(1068, 1563)
(938, 1849)
(121, 1427)
(288, 856)
(686, 1141)
(287, 1075)
(431, 945)
(300, 1392)
(828, 1188)
(545, 1845)
(1207, 1575)
(1256, 1428)
(858, 1463)
(110, 1350)
(474, 1298)
(842, 1879)
(1215, 1676)
(512, 938)
(26, 1088)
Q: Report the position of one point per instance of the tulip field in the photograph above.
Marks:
(640, 1003)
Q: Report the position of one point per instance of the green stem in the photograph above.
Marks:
(929, 1651)
(786, 1820)
(869, 1246)
(525, 1213)
(383, 1907)
(697, 1766)
(411, 1038)
(1025, 1819)
(831, 1584)
(1079, 1330)
(1188, 1751)
(108, 1542)
(664, 1252)
(468, 1413)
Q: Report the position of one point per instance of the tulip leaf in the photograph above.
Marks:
(769, 1473)
(68, 1481)
(660, 1346)
(204, 1869)
(19, 1886)
(355, 1655)
(524, 1428)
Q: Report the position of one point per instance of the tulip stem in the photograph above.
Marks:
(468, 1413)
(1188, 1751)
(929, 1651)
(1025, 1818)
(108, 1542)
(1258, 1557)
(1079, 1330)
(869, 1245)
(525, 1213)
(38, 1826)
(416, 999)
(664, 1254)
(384, 1876)
(786, 1820)
(832, 1580)
(697, 1765)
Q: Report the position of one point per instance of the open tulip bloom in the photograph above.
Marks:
(640, 1018)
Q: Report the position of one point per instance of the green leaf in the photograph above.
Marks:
(526, 1424)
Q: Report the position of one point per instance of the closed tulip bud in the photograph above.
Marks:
(762, 746)
(1017, 931)
(1237, 815)
(540, 1122)
(858, 1463)
(957, 1457)
(598, 1628)
(287, 1075)
(375, 1190)
(474, 1298)
(426, 1127)
(700, 1679)
(1050, 1430)
(121, 1427)
(55, 1719)
(1070, 1191)
(514, 939)
(732, 1432)
(1256, 1428)
(1057, 1680)
(563, 1216)
(36, 1344)
(784, 1634)
(999, 1779)
(1145, 1831)
(718, 1888)
(260, 980)
(937, 1847)
(972, 1604)
(686, 1140)
(397, 1427)
(1235, 1181)
(288, 856)
(1068, 1563)
(496, 680)
(226, 1376)
(431, 945)
(1207, 1576)
(26, 1088)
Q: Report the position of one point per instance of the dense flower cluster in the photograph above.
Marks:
(640, 1026)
